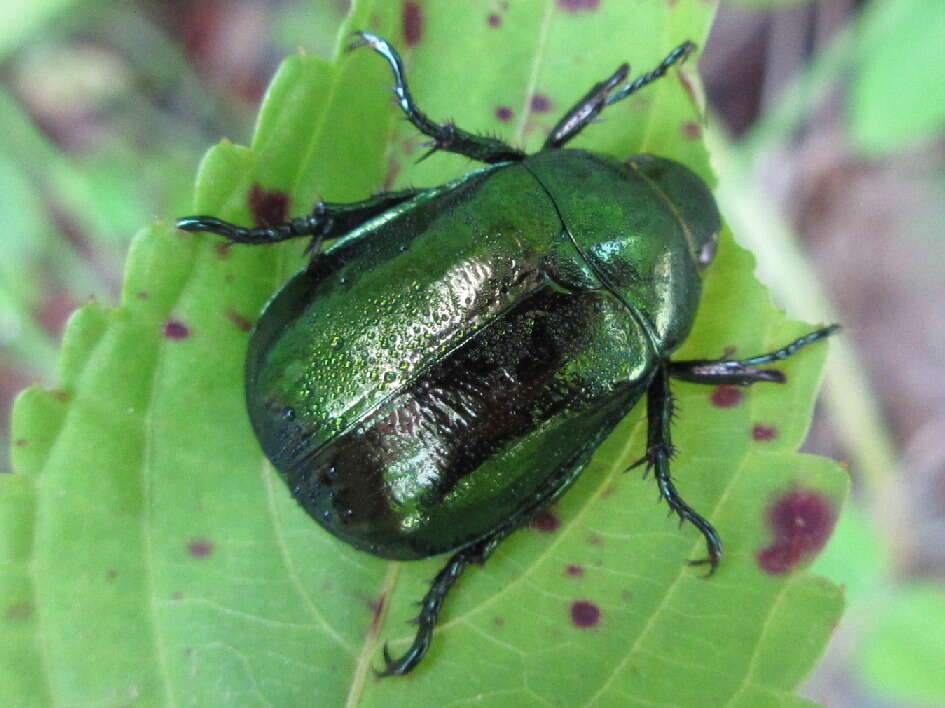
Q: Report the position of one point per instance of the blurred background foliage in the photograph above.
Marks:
(826, 121)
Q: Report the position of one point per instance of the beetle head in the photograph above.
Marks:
(690, 200)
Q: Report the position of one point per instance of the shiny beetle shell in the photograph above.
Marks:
(420, 380)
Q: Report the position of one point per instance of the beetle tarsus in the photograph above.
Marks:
(447, 137)
(741, 372)
(432, 603)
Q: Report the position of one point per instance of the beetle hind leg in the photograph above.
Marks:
(659, 451)
(433, 601)
(446, 137)
(477, 552)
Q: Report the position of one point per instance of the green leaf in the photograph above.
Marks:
(151, 555)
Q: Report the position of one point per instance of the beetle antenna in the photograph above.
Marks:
(600, 96)
(674, 57)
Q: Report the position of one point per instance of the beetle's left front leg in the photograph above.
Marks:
(659, 451)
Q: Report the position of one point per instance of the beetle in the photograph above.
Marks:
(443, 371)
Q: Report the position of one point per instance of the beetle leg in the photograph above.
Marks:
(600, 96)
(326, 220)
(477, 552)
(659, 450)
(741, 371)
(446, 137)
(433, 601)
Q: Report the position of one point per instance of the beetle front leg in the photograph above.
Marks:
(446, 137)
(659, 451)
(326, 220)
(741, 372)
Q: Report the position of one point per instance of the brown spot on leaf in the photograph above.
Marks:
(175, 329)
(546, 522)
(268, 206)
(377, 612)
(540, 103)
(578, 5)
(200, 548)
(801, 522)
(691, 130)
(19, 611)
(763, 433)
(726, 396)
(412, 21)
(584, 614)
(242, 323)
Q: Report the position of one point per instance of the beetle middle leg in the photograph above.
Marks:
(327, 220)
(659, 450)
(659, 409)
(446, 137)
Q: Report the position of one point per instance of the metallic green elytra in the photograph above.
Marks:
(445, 370)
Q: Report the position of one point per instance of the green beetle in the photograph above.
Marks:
(446, 369)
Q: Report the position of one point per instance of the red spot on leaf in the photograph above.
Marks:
(584, 614)
(223, 249)
(574, 570)
(504, 113)
(494, 20)
(763, 433)
(540, 103)
(578, 5)
(143, 295)
(111, 574)
(595, 540)
(801, 522)
(21, 442)
(691, 130)
(498, 621)
(61, 395)
(175, 329)
(268, 207)
(200, 548)
(546, 522)
(412, 20)
(726, 396)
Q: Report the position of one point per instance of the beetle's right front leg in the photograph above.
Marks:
(659, 451)
(327, 220)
